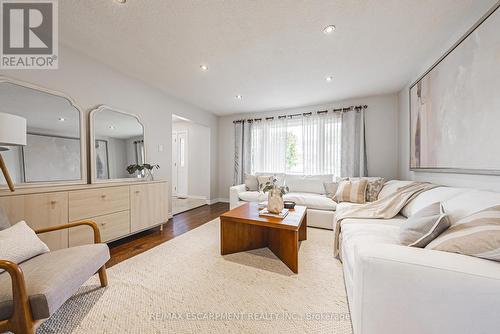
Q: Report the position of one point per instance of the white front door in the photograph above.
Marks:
(182, 164)
(179, 164)
(174, 163)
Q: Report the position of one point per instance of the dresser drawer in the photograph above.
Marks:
(40, 211)
(97, 202)
(111, 226)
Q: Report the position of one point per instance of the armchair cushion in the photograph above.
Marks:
(53, 277)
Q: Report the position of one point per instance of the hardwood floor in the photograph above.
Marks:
(181, 223)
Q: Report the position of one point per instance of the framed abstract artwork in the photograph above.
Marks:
(455, 106)
(48, 158)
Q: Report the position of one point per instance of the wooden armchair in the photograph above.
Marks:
(22, 319)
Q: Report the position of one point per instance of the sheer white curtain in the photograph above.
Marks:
(309, 145)
(269, 145)
(322, 136)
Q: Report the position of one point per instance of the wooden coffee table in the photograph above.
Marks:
(242, 229)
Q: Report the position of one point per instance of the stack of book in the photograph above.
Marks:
(266, 213)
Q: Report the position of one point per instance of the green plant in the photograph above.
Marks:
(270, 185)
(291, 150)
(139, 168)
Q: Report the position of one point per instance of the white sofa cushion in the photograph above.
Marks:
(396, 221)
(395, 287)
(344, 205)
(429, 197)
(252, 196)
(307, 184)
(356, 233)
(469, 202)
(320, 218)
(312, 201)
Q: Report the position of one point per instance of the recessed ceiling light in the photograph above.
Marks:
(239, 97)
(111, 127)
(329, 29)
(121, 1)
(329, 78)
(61, 119)
(204, 67)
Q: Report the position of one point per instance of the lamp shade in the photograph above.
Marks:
(12, 130)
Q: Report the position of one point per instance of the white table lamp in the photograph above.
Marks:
(12, 133)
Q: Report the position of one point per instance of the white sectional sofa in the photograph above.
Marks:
(395, 289)
(304, 190)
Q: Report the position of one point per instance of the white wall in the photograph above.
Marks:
(91, 83)
(198, 158)
(485, 182)
(381, 136)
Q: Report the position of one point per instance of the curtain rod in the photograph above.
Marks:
(335, 110)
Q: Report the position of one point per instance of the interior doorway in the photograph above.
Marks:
(190, 164)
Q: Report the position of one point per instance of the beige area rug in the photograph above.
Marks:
(186, 286)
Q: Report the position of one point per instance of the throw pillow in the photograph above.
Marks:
(251, 182)
(262, 180)
(4, 221)
(351, 191)
(330, 189)
(373, 189)
(19, 243)
(424, 226)
(476, 235)
(375, 185)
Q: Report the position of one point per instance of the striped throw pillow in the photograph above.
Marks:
(476, 235)
(351, 191)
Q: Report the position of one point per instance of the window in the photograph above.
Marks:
(307, 145)
(294, 148)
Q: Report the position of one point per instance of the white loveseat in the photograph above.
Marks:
(394, 289)
(304, 190)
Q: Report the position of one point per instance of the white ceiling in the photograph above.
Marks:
(109, 123)
(42, 111)
(177, 119)
(272, 52)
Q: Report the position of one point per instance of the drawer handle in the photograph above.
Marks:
(103, 196)
(137, 191)
(53, 202)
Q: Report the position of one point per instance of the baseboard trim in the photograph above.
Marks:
(217, 200)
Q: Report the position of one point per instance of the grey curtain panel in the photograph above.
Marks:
(242, 151)
(139, 152)
(353, 147)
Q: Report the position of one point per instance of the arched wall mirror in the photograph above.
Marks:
(116, 142)
(55, 150)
